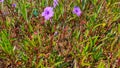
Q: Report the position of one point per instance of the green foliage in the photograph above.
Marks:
(66, 40)
(5, 43)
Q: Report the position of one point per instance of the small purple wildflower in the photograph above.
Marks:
(13, 5)
(55, 3)
(1, 0)
(48, 13)
(77, 11)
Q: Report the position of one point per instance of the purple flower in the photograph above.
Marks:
(1, 0)
(55, 3)
(48, 13)
(13, 5)
(77, 11)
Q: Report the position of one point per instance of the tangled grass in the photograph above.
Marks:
(91, 40)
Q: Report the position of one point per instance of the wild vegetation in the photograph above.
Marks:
(59, 33)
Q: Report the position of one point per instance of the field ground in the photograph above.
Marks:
(91, 40)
